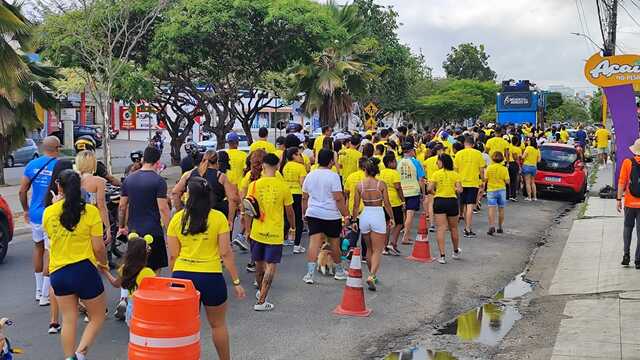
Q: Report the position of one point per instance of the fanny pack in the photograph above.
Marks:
(250, 203)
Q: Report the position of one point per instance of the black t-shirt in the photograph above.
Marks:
(143, 188)
(101, 170)
(187, 163)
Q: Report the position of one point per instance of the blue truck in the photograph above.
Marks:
(518, 103)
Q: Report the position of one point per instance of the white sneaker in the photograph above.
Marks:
(456, 255)
(308, 278)
(258, 295)
(340, 275)
(44, 301)
(442, 260)
(121, 310)
(54, 328)
(240, 241)
(266, 306)
(38, 295)
(297, 249)
(86, 318)
(288, 243)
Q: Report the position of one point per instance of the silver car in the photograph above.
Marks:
(24, 154)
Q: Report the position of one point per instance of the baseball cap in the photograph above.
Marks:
(233, 137)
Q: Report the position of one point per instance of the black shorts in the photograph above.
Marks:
(412, 203)
(331, 228)
(212, 287)
(269, 253)
(448, 206)
(81, 279)
(469, 195)
(158, 256)
(398, 215)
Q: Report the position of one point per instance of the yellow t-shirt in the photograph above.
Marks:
(445, 181)
(69, 247)
(272, 195)
(515, 152)
(564, 136)
(391, 177)
(292, 172)
(496, 144)
(246, 180)
(431, 166)
(237, 162)
(468, 163)
(316, 166)
(262, 144)
(279, 153)
(317, 144)
(350, 186)
(602, 138)
(199, 252)
(381, 163)
(307, 162)
(530, 156)
(497, 177)
(348, 159)
(144, 273)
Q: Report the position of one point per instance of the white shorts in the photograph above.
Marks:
(38, 235)
(372, 219)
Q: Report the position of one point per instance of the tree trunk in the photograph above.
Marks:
(176, 144)
(220, 137)
(2, 169)
(246, 126)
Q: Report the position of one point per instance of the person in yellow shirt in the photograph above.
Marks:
(391, 177)
(348, 158)
(267, 231)
(497, 181)
(470, 164)
(319, 141)
(293, 173)
(602, 136)
(564, 134)
(76, 248)
(280, 147)
(198, 242)
(237, 159)
(497, 143)
(262, 142)
(430, 167)
(351, 182)
(530, 159)
(446, 184)
(515, 159)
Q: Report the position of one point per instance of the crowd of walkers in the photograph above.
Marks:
(372, 184)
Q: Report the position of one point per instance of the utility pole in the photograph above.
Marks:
(610, 41)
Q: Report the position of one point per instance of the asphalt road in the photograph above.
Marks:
(411, 298)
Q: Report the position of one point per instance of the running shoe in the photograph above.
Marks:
(386, 250)
(340, 275)
(54, 328)
(626, 259)
(265, 306)
(251, 267)
(297, 249)
(44, 301)
(288, 243)
(371, 283)
(456, 254)
(38, 295)
(121, 310)
(491, 231)
(255, 284)
(500, 231)
(432, 228)
(442, 260)
(514, 199)
(395, 252)
(472, 234)
(527, 199)
(476, 210)
(240, 241)
(308, 278)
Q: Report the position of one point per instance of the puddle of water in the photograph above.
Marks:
(516, 288)
(419, 353)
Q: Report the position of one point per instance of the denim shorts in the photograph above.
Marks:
(529, 170)
(497, 198)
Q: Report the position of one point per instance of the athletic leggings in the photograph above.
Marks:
(297, 211)
(514, 177)
(631, 219)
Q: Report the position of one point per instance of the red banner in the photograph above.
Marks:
(127, 119)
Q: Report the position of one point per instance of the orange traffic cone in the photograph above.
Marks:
(421, 250)
(422, 225)
(353, 296)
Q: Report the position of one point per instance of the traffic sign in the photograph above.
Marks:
(371, 109)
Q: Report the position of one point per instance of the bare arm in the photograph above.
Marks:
(387, 203)
(458, 187)
(99, 250)
(431, 187)
(232, 197)
(305, 202)
(25, 185)
(102, 206)
(165, 212)
(291, 217)
(342, 206)
(398, 187)
(356, 203)
(122, 212)
(173, 246)
(178, 190)
(224, 248)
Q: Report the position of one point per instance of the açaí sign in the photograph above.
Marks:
(612, 70)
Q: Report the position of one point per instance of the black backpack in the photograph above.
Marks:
(634, 179)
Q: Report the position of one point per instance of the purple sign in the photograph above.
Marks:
(622, 105)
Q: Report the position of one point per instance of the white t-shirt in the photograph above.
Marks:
(320, 184)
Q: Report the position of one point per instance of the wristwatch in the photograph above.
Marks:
(236, 282)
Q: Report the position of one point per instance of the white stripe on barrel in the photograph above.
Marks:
(354, 282)
(163, 342)
(356, 263)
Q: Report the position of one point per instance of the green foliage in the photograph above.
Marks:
(595, 108)
(570, 111)
(554, 100)
(489, 114)
(468, 61)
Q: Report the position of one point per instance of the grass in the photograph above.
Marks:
(591, 180)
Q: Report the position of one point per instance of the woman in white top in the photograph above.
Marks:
(94, 186)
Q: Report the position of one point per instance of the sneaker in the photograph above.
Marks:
(626, 259)
(265, 306)
(637, 264)
(527, 199)
(308, 278)
(297, 249)
(255, 284)
(500, 231)
(432, 228)
(121, 310)
(395, 252)
(456, 254)
(288, 243)
(442, 260)
(514, 199)
(387, 250)
(54, 328)
(491, 231)
(472, 234)
(86, 318)
(258, 295)
(240, 241)
(371, 283)
(251, 267)
(38, 295)
(44, 301)
(340, 275)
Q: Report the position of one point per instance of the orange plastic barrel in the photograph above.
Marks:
(165, 323)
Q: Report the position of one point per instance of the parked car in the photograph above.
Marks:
(6, 228)
(212, 143)
(22, 155)
(82, 130)
(560, 171)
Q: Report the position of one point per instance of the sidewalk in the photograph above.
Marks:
(604, 320)
(10, 194)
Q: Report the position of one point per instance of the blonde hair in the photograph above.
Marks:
(86, 162)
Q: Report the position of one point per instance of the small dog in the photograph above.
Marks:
(325, 262)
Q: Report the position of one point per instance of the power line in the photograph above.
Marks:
(584, 14)
(582, 26)
(628, 13)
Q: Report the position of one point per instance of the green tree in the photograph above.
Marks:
(571, 111)
(554, 100)
(22, 82)
(468, 61)
(595, 107)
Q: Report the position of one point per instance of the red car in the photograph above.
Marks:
(561, 171)
(6, 228)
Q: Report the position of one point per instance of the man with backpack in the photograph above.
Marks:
(629, 186)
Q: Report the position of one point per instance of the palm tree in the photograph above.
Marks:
(22, 82)
(339, 73)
